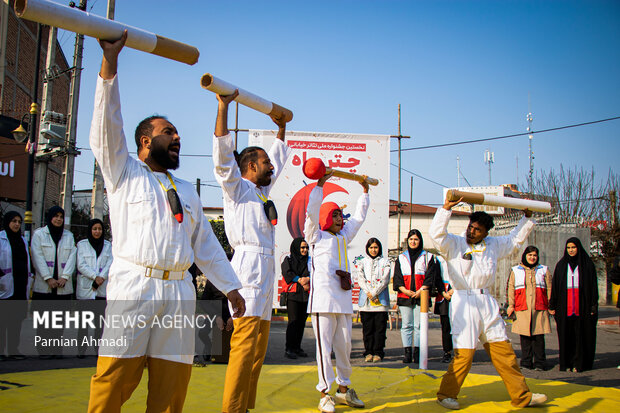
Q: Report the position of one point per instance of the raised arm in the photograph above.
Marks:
(312, 231)
(446, 243)
(507, 244)
(279, 152)
(107, 139)
(354, 223)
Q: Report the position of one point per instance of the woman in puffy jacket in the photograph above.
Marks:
(373, 277)
(94, 258)
(14, 277)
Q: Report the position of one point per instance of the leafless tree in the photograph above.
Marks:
(579, 198)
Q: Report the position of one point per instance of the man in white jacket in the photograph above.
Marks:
(472, 260)
(246, 180)
(159, 231)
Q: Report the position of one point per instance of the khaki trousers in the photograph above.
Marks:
(503, 358)
(248, 346)
(117, 378)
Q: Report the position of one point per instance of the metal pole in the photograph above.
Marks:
(74, 97)
(41, 162)
(399, 171)
(32, 146)
(400, 136)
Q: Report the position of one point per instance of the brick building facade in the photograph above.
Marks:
(17, 58)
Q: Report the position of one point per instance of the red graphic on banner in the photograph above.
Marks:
(296, 212)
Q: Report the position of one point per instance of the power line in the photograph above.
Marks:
(420, 176)
(135, 153)
(515, 135)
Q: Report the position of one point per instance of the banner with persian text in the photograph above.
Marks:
(359, 154)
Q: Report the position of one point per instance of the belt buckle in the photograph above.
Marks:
(165, 275)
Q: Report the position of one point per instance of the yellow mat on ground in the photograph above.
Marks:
(292, 389)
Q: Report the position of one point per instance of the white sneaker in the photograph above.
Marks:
(537, 399)
(327, 404)
(449, 403)
(349, 398)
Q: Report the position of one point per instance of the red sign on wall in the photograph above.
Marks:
(13, 169)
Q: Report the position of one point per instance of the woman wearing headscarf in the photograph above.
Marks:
(14, 277)
(409, 280)
(373, 277)
(296, 273)
(94, 258)
(53, 257)
(574, 304)
(529, 289)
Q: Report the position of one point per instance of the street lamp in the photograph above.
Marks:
(20, 134)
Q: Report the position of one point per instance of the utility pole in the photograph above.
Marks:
(32, 143)
(458, 172)
(530, 118)
(198, 186)
(399, 206)
(41, 161)
(74, 97)
(96, 198)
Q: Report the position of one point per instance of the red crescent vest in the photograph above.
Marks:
(405, 269)
(541, 301)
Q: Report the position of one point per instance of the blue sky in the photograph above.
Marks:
(461, 70)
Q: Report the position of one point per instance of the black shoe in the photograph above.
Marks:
(301, 353)
(407, 357)
(416, 354)
(290, 354)
(447, 357)
(526, 366)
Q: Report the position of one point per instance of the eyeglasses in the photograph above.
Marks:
(303, 248)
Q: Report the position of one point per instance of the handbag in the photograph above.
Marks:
(345, 279)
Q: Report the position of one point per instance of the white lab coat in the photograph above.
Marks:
(249, 232)
(474, 315)
(329, 253)
(89, 267)
(146, 235)
(6, 265)
(42, 249)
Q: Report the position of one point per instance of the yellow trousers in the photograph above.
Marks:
(248, 346)
(117, 378)
(503, 358)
